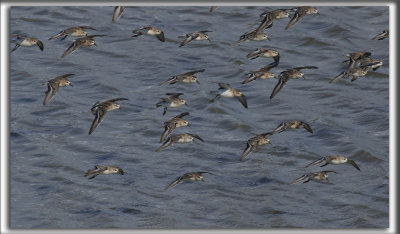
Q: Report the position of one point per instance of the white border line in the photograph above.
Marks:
(393, 226)
(4, 120)
(5, 134)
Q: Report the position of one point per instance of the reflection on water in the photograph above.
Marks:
(51, 150)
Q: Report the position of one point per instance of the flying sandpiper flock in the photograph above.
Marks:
(359, 64)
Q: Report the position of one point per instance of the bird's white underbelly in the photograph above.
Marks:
(227, 93)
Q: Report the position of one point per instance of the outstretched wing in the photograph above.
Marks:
(171, 80)
(266, 23)
(52, 88)
(40, 45)
(250, 77)
(276, 61)
(138, 30)
(65, 75)
(281, 83)
(174, 95)
(74, 46)
(247, 151)
(99, 117)
(242, 100)
(338, 77)
(167, 143)
(16, 47)
(116, 99)
(197, 137)
(215, 98)
(305, 67)
(194, 72)
(87, 27)
(254, 54)
(118, 10)
(189, 38)
(161, 37)
(97, 35)
(168, 129)
(321, 160)
(296, 18)
(280, 128)
(354, 164)
(93, 172)
(267, 134)
(181, 115)
(304, 178)
(57, 35)
(224, 86)
(175, 183)
(307, 127)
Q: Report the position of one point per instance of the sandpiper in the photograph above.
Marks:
(262, 73)
(103, 170)
(268, 17)
(356, 56)
(187, 77)
(354, 65)
(253, 142)
(54, 84)
(28, 42)
(191, 176)
(118, 10)
(317, 176)
(178, 138)
(172, 101)
(293, 124)
(151, 31)
(252, 36)
(300, 12)
(356, 71)
(197, 36)
(84, 41)
(74, 31)
(100, 109)
(370, 62)
(171, 124)
(275, 14)
(262, 52)
(384, 34)
(285, 76)
(212, 8)
(230, 92)
(335, 159)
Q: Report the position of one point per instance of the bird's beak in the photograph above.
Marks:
(197, 82)
(95, 44)
(70, 84)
